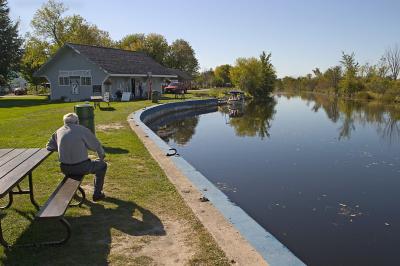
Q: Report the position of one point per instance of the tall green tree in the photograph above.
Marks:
(78, 30)
(153, 44)
(182, 56)
(246, 74)
(156, 46)
(222, 75)
(255, 76)
(133, 42)
(36, 53)
(268, 76)
(10, 45)
(51, 25)
(48, 23)
(350, 84)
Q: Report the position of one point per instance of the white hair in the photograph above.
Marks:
(71, 118)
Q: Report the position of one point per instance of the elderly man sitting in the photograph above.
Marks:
(72, 142)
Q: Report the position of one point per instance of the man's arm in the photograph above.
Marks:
(52, 143)
(92, 143)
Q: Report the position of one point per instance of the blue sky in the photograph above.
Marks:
(301, 35)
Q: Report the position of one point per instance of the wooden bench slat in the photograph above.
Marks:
(11, 155)
(12, 178)
(16, 161)
(58, 202)
(4, 151)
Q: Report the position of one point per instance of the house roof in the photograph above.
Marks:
(119, 62)
(181, 74)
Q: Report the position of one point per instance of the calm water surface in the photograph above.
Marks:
(322, 175)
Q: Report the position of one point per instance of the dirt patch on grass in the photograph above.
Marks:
(172, 248)
(109, 127)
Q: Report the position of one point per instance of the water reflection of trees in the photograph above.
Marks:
(347, 113)
(256, 119)
(180, 131)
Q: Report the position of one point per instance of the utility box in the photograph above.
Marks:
(85, 113)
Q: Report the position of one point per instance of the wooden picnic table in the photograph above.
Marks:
(15, 166)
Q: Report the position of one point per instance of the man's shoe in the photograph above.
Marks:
(99, 197)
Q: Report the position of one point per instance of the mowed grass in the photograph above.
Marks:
(137, 190)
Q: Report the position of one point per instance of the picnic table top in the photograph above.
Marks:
(15, 164)
(96, 97)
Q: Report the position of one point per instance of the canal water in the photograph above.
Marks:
(321, 174)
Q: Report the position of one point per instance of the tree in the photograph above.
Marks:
(246, 74)
(10, 45)
(350, 84)
(36, 53)
(78, 30)
(392, 56)
(268, 76)
(156, 46)
(48, 22)
(50, 25)
(350, 65)
(333, 75)
(206, 78)
(222, 75)
(133, 42)
(182, 56)
(255, 76)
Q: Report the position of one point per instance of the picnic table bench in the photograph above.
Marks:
(15, 166)
(98, 99)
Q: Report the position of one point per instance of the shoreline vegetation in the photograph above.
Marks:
(352, 80)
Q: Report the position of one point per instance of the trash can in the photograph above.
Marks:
(85, 113)
(155, 96)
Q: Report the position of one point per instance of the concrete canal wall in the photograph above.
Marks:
(242, 239)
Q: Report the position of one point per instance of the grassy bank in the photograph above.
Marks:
(212, 92)
(143, 221)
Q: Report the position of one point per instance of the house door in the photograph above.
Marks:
(133, 85)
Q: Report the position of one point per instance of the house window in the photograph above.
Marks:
(86, 81)
(96, 89)
(63, 81)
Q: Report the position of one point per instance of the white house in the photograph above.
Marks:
(77, 72)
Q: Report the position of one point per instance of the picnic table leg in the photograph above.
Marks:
(83, 194)
(10, 201)
(31, 192)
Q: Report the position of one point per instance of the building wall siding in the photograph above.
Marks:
(69, 60)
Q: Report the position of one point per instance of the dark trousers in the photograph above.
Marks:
(97, 167)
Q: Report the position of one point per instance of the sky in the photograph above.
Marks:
(301, 35)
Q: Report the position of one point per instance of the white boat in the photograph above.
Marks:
(236, 97)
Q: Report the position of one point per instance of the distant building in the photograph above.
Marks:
(18, 82)
(183, 77)
(77, 72)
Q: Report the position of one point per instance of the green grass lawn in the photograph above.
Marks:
(140, 199)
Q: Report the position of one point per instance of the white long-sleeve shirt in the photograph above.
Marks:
(72, 142)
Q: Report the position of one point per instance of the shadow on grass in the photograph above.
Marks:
(108, 109)
(6, 102)
(91, 235)
(113, 150)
